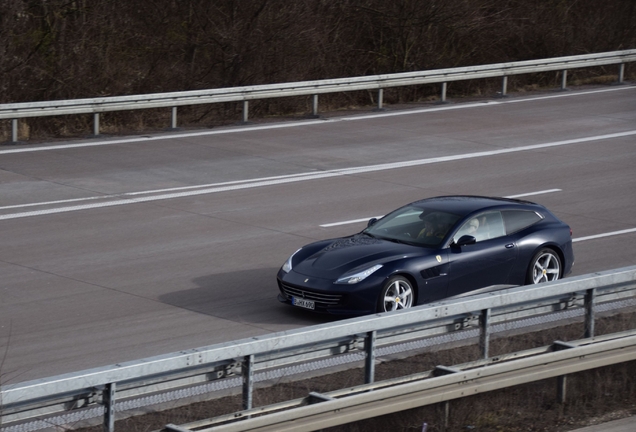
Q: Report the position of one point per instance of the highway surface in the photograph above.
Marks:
(119, 248)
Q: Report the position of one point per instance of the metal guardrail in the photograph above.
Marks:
(364, 336)
(95, 106)
(442, 384)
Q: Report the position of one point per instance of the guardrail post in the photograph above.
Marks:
(564, 79)
(621, 73)
(446, 415)
(109, 407)
(443, 97)
(484, 333)
(14, 130)
(314, 105)
(247, 371)
(504, 86)
(380, 98)
(561, 388)
(440, 371)
(590, 303)
(369, 361)
(96, 124)
(246, 110)
(173, 118)
(562, 380)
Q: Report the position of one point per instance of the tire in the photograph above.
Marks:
(397, 293)
(545, 266)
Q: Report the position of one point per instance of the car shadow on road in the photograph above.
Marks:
(248, 296)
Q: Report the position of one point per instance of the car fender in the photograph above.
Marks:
(428, 274)
(527, 251)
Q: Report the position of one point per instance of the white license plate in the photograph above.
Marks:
(307, 304)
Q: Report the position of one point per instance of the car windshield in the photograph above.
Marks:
(414, 225)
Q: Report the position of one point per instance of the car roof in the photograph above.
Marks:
(465, 204)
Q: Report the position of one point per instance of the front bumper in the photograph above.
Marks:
(328, 297)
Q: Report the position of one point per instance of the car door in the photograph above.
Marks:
(431, 272)
(485, 262)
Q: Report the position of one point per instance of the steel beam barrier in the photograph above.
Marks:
(438, 389)
(304, 88)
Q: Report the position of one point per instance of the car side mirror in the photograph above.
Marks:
(371, 221)
(465, 240)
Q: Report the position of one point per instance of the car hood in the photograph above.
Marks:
(353, 253)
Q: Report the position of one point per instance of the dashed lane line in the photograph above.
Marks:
(135, 197)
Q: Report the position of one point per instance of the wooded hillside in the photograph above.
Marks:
(66, 49)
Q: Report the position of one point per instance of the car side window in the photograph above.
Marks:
(516, 220)
(483, 227)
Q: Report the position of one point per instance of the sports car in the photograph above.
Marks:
(426, 251)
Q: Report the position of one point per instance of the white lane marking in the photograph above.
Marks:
(149, 192)
(304, 123)
(348, 222)
(534, 193)
(147, 138)
(169, 195)
(483, 104)
(269, 181)
(609, 234)
(329, 225)
(54, 202)
(484, 153)
(562, 95)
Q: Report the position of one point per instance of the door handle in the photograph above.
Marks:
(510, 245)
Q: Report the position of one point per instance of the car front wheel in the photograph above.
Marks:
(544, 267)
(396, 294)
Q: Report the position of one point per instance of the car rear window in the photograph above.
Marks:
(516, 220)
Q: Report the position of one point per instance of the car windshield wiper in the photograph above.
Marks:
(395, 240)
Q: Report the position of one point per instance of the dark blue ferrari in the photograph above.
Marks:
(426, 251)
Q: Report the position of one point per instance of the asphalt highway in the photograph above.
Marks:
(120, 248)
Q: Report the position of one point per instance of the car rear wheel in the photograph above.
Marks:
(544, 267)
(396, 294)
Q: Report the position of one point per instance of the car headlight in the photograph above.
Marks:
(359, 276)
(288, 264)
